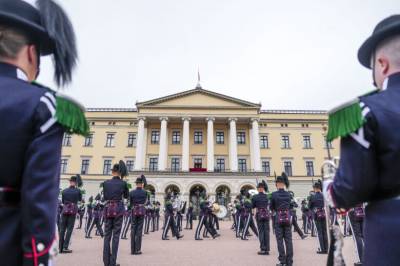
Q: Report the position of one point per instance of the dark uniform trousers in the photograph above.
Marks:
(204, 220)
(322, 234)
(296, 226)
(67, 226)
(357, 230)
(189, 220)
(136, 233)
(284, 234)
(95, 221)
(263, 234)
(112, 232)
(169, 222)
(249, 222)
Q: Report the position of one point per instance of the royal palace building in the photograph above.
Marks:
(200, 140)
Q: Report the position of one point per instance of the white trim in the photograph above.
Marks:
(51, 97)
(48, 124)
(360, 138)
(49, 105)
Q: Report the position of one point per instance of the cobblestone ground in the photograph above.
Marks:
(226, 250)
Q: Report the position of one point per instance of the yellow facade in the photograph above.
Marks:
(198, 105)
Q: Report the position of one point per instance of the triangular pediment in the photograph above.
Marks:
(198, 98)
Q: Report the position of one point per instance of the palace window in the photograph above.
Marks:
(153, 164)
(241, 138)
(198, 163)
(264, 142)
(175, 165)
(285, 142)
(242, 164)
(220, 165)
(220, 137)
(130, 165)
(198, 137)
(287, 165)
(310, 168)
(307, 142)
(66, 140)
(85, 166)
(266, 168)
(88, 140)
(131, 139)
(176, 137)
(110, 140)
(327, 144)
(155, 137)
(64, 166)
(107, 167)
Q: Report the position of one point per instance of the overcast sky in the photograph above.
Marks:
(284, 54)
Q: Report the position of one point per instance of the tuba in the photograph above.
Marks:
(335, 235)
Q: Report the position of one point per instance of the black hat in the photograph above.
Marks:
(386, 28)
(318, 184)
(49, 28)
(260, 185)
(283, 178)
(139, 180)
(73, 179)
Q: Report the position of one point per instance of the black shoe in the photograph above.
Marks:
(179, 237)
(165, 238)
(88, 237)
(198, 239)
(322, 252)
(138, 253)
(66, 250)
(245, 239)
(280, 264)
(216, 235)
(303, 237)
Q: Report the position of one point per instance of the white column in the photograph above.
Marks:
(256, 145)
(210, 144)
(140, 145)
(162, 154)
(251, 148)
(185, 144)
(233, 157)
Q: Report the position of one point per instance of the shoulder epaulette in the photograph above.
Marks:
(346, 118)
(69, 113)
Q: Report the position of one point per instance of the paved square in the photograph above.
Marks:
(226, 250)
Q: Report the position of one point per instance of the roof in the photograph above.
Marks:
(198, 90)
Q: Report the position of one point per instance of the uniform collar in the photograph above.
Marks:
(116, 177)
(12, 72)
(393, 81)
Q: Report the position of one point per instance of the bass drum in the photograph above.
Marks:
(222, 212)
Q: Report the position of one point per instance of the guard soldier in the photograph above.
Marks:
(369, 154)
(81, 213)
(157, 214)
(114, 190)
(169, 220)
(316, 204)
(97, 213)
(33, 122)
(70, 198)
(248, 217)
(189, 217)
(137, 199)
(304, 215)
(89, 213)
(261, 203)
(280, 204)
(293, 206)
